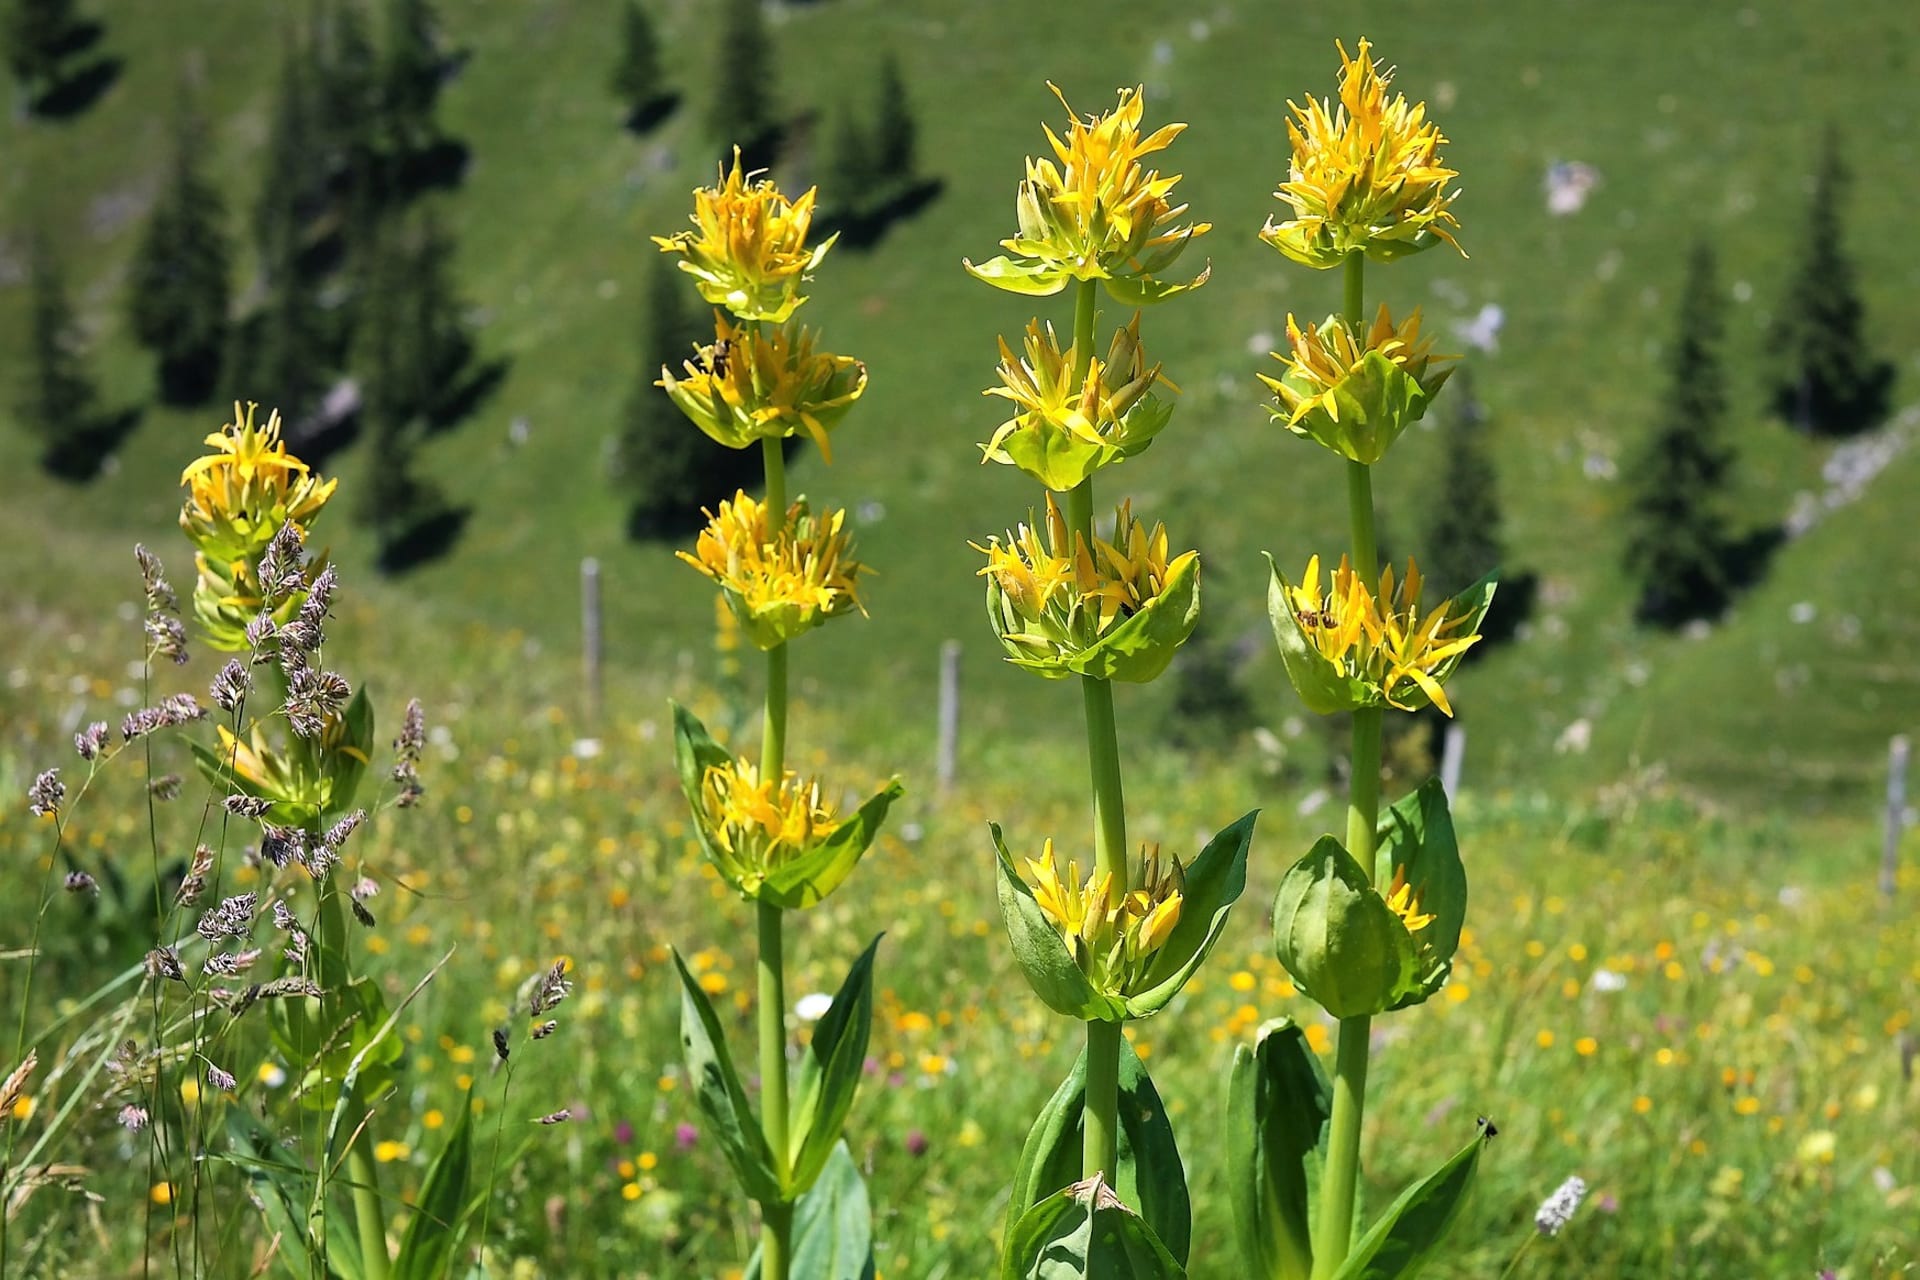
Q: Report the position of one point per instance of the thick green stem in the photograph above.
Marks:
(776, 1217)
(369, 1222)
(1333, 1229)
(1101, 1152)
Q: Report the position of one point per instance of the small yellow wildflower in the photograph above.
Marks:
(1063, 431)
(1366, 175)
(161, 1193)
(1097, 214)
(1346, 650)
(1112, 936)
(1403, 902)
(752, 383)
(1356, 397)
(782, 584)
(388, 1151)
(240, 494)
(630, 1191)
(748, 251)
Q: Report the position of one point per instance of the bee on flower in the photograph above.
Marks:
(1095, 212)
(748, 251)
(1347, 647)
(782, 584)
(751, 384)
(1366, 175)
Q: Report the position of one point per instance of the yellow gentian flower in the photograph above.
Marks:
(754, 384)
(1112, 938)
(748, 251)
(778, 585)
(1346, 646)
(754, 824)
(1094, 212)
(1063, 431)
(240, 494)
(1356, 397)
(1366, 175)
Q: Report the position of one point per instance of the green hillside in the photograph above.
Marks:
(1699, 120)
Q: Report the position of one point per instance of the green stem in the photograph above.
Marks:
(367, 1217)
(776, 1217)
(1101, 1152)
(1520, 1253)
(1333, 1229)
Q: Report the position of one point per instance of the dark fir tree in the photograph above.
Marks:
(847, 185)
(893, 131)
(637, 80)
(1462, 542)
(37, 35)
(667, 467)
(395, 502)
(292, 187)
(413, 331)
(56, 400)
(1677, 535)
(347, 101)
(180, 282)
(410, 76)
(1829, 381)
(740, 113)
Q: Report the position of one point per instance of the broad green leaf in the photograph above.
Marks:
(426, 1251)
(345, 762)
(1150, 1171)
(1417, 843)
(1214, 883)
(694, 752)
(1337, 937)
(319, 1037)
(1084, 1232)
(830, 1072)
(1411, 1230)
(803, 881)
(1139, 649)
(1041, 951)
(722, 1099)
(1279, 1108)
(832, 1226)
(1034, 279)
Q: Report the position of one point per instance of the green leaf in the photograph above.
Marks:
(1057, 458)
(1214, 883)
(1337, 937)
(722, 1099)
(830, 1073)
(1322, 686)
(694, 752)
(1417, 842)
(280, 1186)
(1139, 649)
(1043, 953)
(1409, 1233)
(1084, 1232)
(832, 1226)
(426, 1251)
(1279, 1111)
(1144, 291)
(345, 763)
(1150, 1172)
(282, 813)
(803, 881)
(320, 1037)
(1032, 278)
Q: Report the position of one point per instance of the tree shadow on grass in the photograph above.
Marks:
(427, 539)
(78, 459)
(474, 389)
(865, 230)
(441, 165)
(650, 115)
(77, 90)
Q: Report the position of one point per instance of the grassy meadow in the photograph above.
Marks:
(1680, 983)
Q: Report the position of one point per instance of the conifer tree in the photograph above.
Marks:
(180, 284)
(893, 131)
(410, 76)
(741, 111)
(56, 399)
(1678, 542)
(637, 79)
(293, 188)
(1829, 381)
(667, 468)
(347, 106)
(413, 335)
(848, 185)
(1462, 540)
(36, 35)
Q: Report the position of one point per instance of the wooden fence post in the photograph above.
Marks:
(590, 635)
(1898, 752)
(949, 748)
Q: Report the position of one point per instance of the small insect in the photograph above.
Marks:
(1316, 618)
(716, 360)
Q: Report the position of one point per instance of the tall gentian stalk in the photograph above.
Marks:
(1369, 925)
(778, 839)
(1068, 603)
